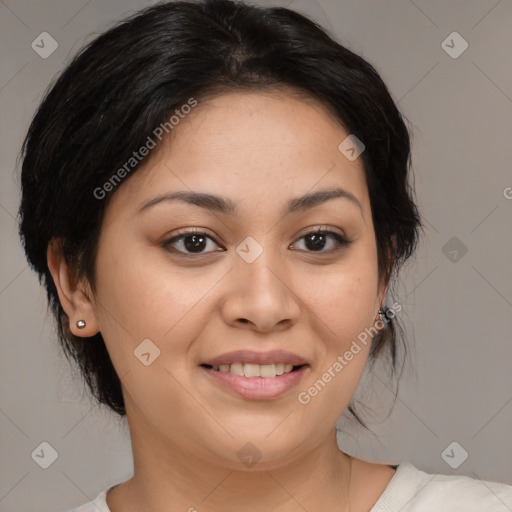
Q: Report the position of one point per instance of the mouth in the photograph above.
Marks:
(253, 381)
(251, 370)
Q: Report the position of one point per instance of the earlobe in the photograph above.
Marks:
(76, 304)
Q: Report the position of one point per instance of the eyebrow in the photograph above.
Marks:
(227, 206)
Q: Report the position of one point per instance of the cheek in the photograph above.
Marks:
(352, 306)
(142, 296)
(344, 298)
(343, 314)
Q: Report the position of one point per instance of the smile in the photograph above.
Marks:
(267, 371)
(257, 382)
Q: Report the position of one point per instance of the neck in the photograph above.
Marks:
(167, 474)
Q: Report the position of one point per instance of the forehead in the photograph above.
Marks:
(254, 147)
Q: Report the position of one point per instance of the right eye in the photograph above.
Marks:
(189, 242)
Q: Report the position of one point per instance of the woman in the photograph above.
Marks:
(216, 197)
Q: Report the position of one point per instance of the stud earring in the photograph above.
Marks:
(80, 324)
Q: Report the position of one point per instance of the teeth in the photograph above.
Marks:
(251, 370)
(237, 369)
(267, 371)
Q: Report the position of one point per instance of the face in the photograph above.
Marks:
(282, 280)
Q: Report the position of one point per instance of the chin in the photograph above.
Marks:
(257, 450)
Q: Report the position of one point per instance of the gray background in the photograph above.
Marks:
(456, 306)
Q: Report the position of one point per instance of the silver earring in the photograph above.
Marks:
(382, 314)
(80, 324)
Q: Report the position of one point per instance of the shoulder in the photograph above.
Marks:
(413, 490)
(99, 504)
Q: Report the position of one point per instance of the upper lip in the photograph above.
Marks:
(254, 357)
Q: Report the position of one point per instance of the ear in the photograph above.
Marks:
(72, 295)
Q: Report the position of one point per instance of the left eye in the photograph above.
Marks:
(195, 242)
(317, 240)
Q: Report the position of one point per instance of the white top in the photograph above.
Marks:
(413, 490)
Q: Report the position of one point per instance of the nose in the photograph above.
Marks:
(260, 296)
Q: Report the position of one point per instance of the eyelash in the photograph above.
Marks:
(341, 242)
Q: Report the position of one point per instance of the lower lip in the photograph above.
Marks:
(257, 388)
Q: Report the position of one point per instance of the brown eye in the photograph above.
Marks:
(190, 242)
(197, 242)
(316, 241)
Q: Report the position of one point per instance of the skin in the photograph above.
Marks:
(259, 150)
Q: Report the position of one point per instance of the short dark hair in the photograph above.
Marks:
(124, 84)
